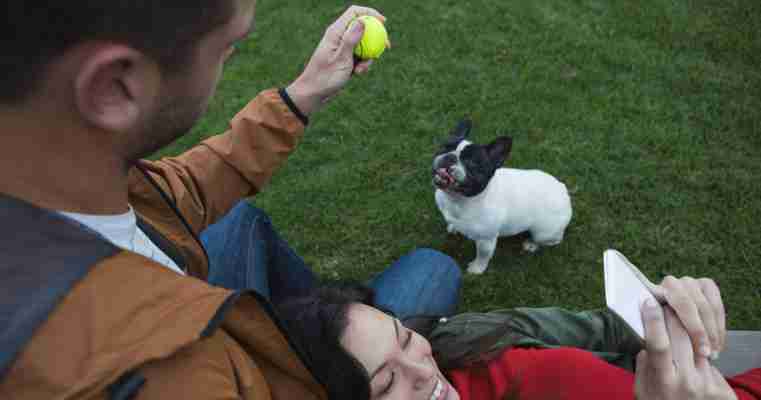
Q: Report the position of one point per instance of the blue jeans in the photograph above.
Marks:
(246, 253)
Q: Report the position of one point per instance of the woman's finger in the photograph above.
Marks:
(681, 346)
(706, 311)
(713, 295)
(657, 344)
(680, 300)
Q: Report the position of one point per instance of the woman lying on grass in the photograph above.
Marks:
(359, 352)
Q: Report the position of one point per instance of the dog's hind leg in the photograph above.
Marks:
(544, 239)
(484, 251)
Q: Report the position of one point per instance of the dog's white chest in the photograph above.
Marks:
(469, 218)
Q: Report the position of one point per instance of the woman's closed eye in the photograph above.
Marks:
(405, 345)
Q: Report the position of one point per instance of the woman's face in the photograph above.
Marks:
(398, 360)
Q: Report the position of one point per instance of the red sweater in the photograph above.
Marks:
(567, 374)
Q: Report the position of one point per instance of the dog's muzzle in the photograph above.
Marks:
(443, 179)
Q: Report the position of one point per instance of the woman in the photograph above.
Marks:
(360, 352)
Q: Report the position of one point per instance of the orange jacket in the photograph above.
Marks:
(126, 326)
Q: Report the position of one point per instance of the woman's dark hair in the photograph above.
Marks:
(316, 323)
(34, 32)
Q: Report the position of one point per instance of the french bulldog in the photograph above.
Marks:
(483, 201)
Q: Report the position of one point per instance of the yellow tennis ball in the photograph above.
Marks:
(374, 38)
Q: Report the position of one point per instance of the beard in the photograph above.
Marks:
(175, 118)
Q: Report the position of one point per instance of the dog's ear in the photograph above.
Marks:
(499, 149)
(460, 132)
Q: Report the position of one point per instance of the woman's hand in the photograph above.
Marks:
(668, 368)
(698, 304)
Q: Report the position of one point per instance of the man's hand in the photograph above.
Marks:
(668, 369)
(698, 304)
(332, 64)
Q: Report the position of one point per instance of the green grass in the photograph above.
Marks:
(650, 112)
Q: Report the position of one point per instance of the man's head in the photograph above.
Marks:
(139, 72)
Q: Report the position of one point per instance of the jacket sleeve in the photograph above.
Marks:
(596, 330)
(474, 337)
(208, 180)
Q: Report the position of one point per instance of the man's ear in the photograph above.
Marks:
(499, 149)
(116, 87)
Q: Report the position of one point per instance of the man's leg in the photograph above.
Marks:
(424, 282)
(246, 253)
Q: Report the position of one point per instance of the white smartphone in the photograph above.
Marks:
(626, 289)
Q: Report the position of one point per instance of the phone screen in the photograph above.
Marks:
(624, 290)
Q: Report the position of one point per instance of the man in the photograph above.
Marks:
(106, 290)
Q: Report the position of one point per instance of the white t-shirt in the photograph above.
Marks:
(122, 231)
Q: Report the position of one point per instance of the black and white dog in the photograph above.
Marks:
(483, 201)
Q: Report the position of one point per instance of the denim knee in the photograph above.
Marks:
(246, 211)
(242, 218)
(438, 264)
(423, 282)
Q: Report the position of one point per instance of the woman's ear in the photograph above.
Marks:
(116, 87)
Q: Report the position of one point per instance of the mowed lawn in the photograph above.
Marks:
(648, 110)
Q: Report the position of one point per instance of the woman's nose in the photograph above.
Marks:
(421, 370)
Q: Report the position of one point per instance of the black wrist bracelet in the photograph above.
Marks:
(295, 110)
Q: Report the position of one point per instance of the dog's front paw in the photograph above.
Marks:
(477, 268)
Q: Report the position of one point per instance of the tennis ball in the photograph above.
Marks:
(374, 38)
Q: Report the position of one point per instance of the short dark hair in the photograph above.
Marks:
(36, 32)
(316, 323)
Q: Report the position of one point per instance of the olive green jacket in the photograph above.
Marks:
(473, 337)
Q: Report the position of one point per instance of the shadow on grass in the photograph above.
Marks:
(509, 250)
